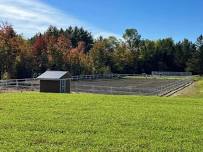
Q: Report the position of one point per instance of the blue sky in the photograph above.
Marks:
(153, 19)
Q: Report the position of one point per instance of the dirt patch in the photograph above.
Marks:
(188, 91)
(132, 86)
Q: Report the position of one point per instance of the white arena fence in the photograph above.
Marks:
(132, 90)
(20, 84)
(34, 84)
(76, 86)
(165, 73)
(106, 76)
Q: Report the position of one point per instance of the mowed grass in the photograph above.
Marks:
(85, 122)
(200, 88)
(197, 90)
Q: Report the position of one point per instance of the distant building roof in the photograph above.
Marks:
(53, 75)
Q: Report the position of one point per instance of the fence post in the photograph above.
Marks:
(111, 90)
(16, 83)
(32, 86)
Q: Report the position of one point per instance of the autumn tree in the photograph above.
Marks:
(122, 60)
(101, 54)
(74, 49)
(132, 39)
(78, 62)
(79, 34)
(24, 60)
(40, 55)
(10, 48)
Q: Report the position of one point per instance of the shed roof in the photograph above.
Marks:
(52, 75)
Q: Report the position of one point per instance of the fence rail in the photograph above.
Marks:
(19, 84)
(131, 90)
(160, 90)
(105, 76)
(165, 73)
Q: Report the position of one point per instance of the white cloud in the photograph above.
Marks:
(31, 16)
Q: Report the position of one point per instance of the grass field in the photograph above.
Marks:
(196, 91)
(199, 91)
(85, 122)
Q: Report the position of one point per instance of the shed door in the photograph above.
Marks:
(62, 86)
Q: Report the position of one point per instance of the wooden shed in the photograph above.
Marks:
(55, 82)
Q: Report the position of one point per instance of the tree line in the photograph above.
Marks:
(74, 49)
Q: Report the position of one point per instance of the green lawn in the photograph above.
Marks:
(55, 122)
(197, 92)
(200, 89)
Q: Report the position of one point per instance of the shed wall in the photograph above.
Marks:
(68, 86)
(52, 86)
